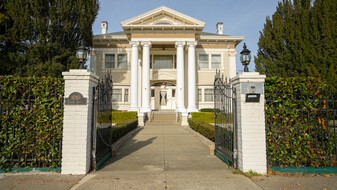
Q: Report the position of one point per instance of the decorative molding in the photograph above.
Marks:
(134, 43)
(145, 43)
(180, 43)
(232, 53)
(192, 43)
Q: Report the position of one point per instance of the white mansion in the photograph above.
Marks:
(163, 61)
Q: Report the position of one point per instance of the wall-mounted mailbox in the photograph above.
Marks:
(252, 97)
(252, 91)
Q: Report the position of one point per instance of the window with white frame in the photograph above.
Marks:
(209, 95)
(116, 61)
(216, 61)
(209, 61)
(203, 61)
(117, 95)
(122, 61)
(109, 60)
(199, 95)
(126, 95)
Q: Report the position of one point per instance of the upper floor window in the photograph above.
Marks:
(163, 61)
(116, 61)
(203, 61)
(209, 61)
(110, 61)
(216, 61)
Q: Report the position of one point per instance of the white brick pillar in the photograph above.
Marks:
(76, 145)
(251, 122)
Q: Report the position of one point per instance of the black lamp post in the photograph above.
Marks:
(245, 57)
(82, 55)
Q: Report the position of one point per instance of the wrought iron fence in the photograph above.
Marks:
(102, 117)
(225, 120)
(31, 129)
(301, 129)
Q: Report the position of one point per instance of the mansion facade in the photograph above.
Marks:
(162, 60)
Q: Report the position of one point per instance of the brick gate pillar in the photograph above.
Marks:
(76, 142)
(251, 135)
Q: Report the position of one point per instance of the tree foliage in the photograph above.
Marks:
(300, 40)
(40, 37)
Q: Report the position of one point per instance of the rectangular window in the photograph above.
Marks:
(116, 95)
(126, 95)
(152, 92)
(109, 60)
(163, 62)
(209, 95)
(203, 61)
(216, 61)
(199, 95)
(122, 61)
(173, 92)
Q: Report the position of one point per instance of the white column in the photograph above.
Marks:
(77, 122)
(250, 123)
(134, 76)
(192, 105)
(146, 77)
(180, 76)
(232, 64)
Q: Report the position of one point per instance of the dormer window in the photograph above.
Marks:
(163, 23)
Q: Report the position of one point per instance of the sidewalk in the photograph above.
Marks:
(164, 156)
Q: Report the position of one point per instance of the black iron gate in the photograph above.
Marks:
(101, 137)
(225, 121)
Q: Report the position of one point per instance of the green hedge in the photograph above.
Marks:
(123, 128)
(209, 110)
(116, 116)
(202, 127)
(298, 133)
(208, 117)
(31, 119)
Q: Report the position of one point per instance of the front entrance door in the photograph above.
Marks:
(163, 98)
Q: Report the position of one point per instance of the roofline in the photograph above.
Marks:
(161, 9)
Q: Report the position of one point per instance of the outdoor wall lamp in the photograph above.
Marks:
(245, 57)
(82, 55)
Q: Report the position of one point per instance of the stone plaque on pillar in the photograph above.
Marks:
(75, 98)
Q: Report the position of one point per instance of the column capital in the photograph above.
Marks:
(145, 43)
(180, 43)
(192, 43)
(134, 43)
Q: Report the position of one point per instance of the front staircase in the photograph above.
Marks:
(162, 118)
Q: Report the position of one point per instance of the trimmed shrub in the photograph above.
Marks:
(116, 117)
(31, 120)
(209, 110)
(203, 128)
(208, 117)
(122, 129)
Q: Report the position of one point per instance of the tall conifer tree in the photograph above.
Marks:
(300, 40)
(46, 34)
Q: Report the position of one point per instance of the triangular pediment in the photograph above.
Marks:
(162, 16)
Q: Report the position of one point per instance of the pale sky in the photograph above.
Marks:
(240, 17)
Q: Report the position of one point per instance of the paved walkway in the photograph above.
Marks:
(164, 155)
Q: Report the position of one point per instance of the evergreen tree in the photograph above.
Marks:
(45, 34)
(300, 40)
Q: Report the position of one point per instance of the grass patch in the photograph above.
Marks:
(248, 174)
